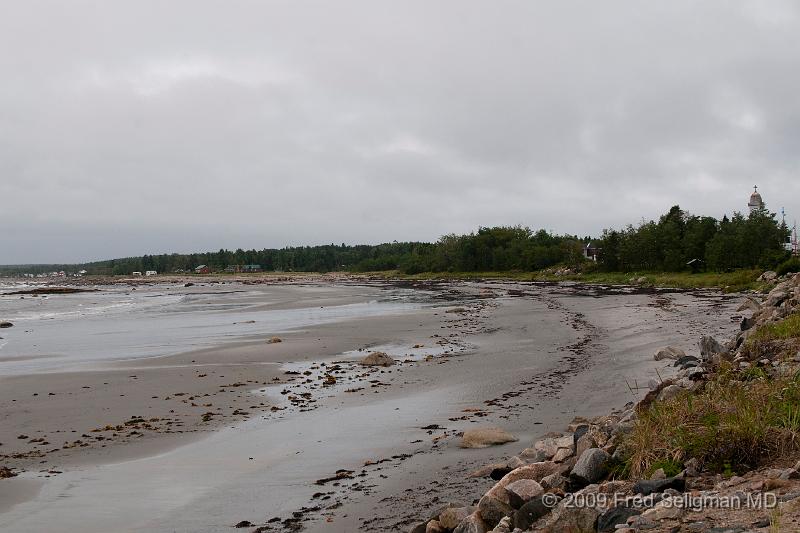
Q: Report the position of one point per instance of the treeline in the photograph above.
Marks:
(754, 241)
(668, 244)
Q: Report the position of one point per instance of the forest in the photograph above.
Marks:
(668, 244)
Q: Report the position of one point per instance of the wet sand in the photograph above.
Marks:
(520, 356)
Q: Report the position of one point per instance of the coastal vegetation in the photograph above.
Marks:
(677, 242)
(742, 416)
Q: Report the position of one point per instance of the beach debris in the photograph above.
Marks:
(244, 523)
(338, 476)
(485, 437)
(274, 340)
(377, 359)
(5, 324)
(52, 290)
(6, 472)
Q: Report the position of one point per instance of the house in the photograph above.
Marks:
(137, 273)
(590, 251)
(150, 273)
(202, 269)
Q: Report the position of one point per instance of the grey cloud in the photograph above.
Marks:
(128, 127)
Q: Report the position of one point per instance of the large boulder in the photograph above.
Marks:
(504, 526)
(768, 275)
(377, 359)
(452, 516)
(777, 296)
(709, 347)
(670, 352)
(492, 510)
(472, 524)
(571, 519)
(435, 527)
(592, 466)
(522, 491)
(485, 437)
(528, 514)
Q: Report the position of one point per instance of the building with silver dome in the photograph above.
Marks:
(756, 202)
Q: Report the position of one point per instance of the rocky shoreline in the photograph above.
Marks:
(576, 480)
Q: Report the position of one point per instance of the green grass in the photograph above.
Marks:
(730, 426)
(739, 280)
(789, 328)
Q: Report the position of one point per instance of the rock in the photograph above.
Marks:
(504, 526)
(668, 392)
(492, 510)
(579, 431)
(532, 455)
(561, 454)
(659, 474)
(776, 297)
(244, 523)
(485, 437)
(695, 373)
(522, 491)
(5, 324)
(686, 360)
(553, 481)
(528, 514)
(584, 443)
(515, 462)
(419, 528)
(616, 515)
(435, 527)
(452, 516)
(472, 524)
(747, 323)
(790, 473)
(749, 304)
(709, 346)
(650, 486)
(488, 470)
(436, 513)
(591, 466)
(535, 471)
(377, 359)
(550, 446)
(663, 510)
(274, 340)
(572, 519)
(768, 275)
(670, 352)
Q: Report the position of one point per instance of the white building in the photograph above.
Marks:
(150, 273)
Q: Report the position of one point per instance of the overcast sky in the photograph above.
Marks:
(146, 127)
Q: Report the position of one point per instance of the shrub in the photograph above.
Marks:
(790, 265)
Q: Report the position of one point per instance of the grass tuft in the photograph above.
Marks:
(729, 426)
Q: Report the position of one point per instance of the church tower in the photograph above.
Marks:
(755, 202)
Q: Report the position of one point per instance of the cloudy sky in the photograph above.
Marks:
(146, 127)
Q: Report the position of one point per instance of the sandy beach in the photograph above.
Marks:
(192, 417)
